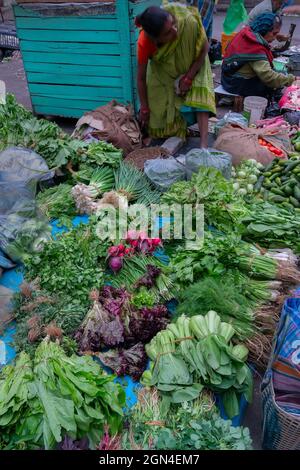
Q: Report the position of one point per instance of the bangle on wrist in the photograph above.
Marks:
(188, 81)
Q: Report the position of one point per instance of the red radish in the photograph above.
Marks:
(113, 250)
(156, 241)
(115, 263)
(121, 247)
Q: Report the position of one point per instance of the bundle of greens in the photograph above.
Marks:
(20, 127)
(132, 184)
(85, 196)
(43, 400)
(114, 321)
(71, 264)
(189, 425)
(223, 208)
(197, 352)
(57, 203)
(132, 361)
(39, 313)
(213, 258)
(98, 154)
(135, 273)
(272, 225)
(223, 295)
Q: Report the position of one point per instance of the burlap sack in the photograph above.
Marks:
(114, 123)
(242, 143)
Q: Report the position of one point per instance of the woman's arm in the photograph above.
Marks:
(269, 77)
(142, 91)
(186, 81)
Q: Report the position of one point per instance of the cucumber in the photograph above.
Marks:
(276, 169)
(277, 198)
(278, 191)
(285, 178)
(258, 185)
(297, 192)
(273, 176)
(287, 205)
(291, 165)
(267, 183)
(294, 202)
(278, 181)
(267, 173)
(269, 167)
(288, 190)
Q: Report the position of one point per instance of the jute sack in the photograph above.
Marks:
(242, 143)
(115, 123)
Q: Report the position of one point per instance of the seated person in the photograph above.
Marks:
(247, 68)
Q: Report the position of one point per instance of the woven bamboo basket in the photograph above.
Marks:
(281, 430)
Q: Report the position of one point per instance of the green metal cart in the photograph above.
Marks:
(81, 56)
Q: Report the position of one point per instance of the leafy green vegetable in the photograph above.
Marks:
(35, 309)
(54, 395)
(20, 127)
(224, 296)
(71, 264)
(190, 425)
(198, 352)
(58, 203)
(223, 208)
(271, 225)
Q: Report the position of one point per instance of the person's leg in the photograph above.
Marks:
(202, 119)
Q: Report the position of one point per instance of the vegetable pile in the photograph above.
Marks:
(51, 396)
(197, 352)
(191, 425)
(246, 176)
(91, 302)
(281, 182)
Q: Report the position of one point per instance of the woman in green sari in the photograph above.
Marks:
(174, 74)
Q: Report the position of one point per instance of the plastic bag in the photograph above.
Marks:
(164, 172)
(292, 117)
(231, 118)
(22, 228)
(22, 164)
(235, 15)
(198, 157)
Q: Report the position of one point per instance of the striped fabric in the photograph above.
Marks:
(286, 364)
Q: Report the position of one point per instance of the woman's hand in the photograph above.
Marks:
(185, 84)
(144, 116)
(282, 38)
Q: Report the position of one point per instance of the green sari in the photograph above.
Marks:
(170, 62)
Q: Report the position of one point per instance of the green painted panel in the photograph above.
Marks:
(68, 23)
(106, 37)
(75, 92)
(20, 12)
(125, 49)
(80, 59)
(41, 77)
(67, 103)
(60, 111)
(80, 70)
(70, 47)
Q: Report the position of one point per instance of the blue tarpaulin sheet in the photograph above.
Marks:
(12, 279)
